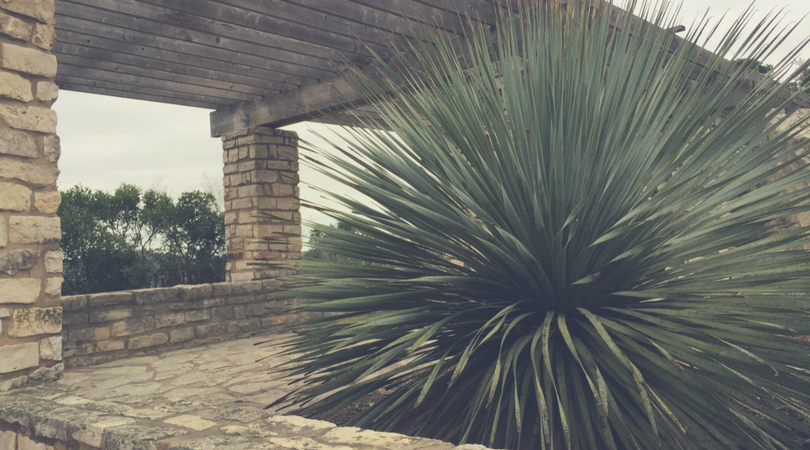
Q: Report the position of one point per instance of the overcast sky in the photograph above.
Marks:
(107, 141)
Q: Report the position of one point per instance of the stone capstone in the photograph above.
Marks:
(51, 348)
(20, 290)
(27, 60)
(35, 321)
(18, 357)
(13, 261)
(34, 230)
(14, 86)
(18, 143)
(27, 117)
(15, 197)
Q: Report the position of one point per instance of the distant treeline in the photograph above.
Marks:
(133, 239)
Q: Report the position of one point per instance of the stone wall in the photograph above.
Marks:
(108, 326)
(30, 259)
(261, 179)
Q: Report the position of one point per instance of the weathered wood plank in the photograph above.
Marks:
(127, 29)
(151, 73)
(68, 83)
(121, 79)
(64, 48)
(171, 61)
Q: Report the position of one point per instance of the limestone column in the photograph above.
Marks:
(261, 178)
(30, 258)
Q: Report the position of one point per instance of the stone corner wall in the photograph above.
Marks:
(114, 325)
(30, 259)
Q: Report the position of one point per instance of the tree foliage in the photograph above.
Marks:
(132, 239)
(572, 251)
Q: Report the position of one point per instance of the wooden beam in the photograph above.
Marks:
(69, 83)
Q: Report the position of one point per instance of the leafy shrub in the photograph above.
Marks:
(572, 254)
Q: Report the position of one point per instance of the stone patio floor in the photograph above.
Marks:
(208, 397)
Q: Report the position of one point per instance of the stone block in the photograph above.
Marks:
(14, 27)
(110, 346)
(91, 430)
(53, 286)
(47, 202)
(251, 287)
(109, 298)
(71, 319)
(42, 10)
(8, 440)
(51, 348)
(27, 117)
(18, 143)
(246, 326)
(13, 261)
(212, 302)
(53, 262)
(134, 326)
(181, 335)
(44, 36)
(20, 290)
(74, 302)
(170, 320)
(288, 203)
(34, 230)
(25, 443)
(14, 86)
(223, 313)
(157, 295)
(239, 299)
(109, 316)
(213, 329)
(198, 315)
(220, 289)
(35, 321)
(15, 197)
(197, 292)
(240, 311)
(52, 148)
(13, 383)
(149, 340)
(27, 60)
(5, 312)
(81, 335)
(19, 357)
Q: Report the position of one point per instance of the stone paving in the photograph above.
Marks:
(208, 397)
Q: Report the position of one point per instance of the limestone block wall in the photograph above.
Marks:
(261, 178)
(30, 259)
(114, 325)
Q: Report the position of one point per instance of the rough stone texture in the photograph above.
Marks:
(42, 10)
(3, 232)
(53, 262)
(52, 148)
(24, 443)
(150, 340)
(47, 202)
(44, 37)
(19, 357)
(8, 440)
(32, 118)
(27, 60)
(53, 286)
(39, 174)
(34, 229)
(261, 179)
(13, 261)
(35, 321)
(14, 86)
(51, 348)
(14, 27)
(20, 290)
(18, 143)
(15, 197)
(134, 326)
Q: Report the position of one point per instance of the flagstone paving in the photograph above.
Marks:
(208, 397)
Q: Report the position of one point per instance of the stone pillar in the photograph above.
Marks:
(261, 178)
(30, 258)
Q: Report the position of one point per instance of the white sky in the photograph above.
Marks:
(107, 141)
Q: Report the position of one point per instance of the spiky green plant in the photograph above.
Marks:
(570, 253)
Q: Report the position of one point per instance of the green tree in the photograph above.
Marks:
(130, 240)
(569, 252)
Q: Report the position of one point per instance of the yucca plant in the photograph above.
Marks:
(575, 249)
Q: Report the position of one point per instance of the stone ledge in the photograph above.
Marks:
(49, 415)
